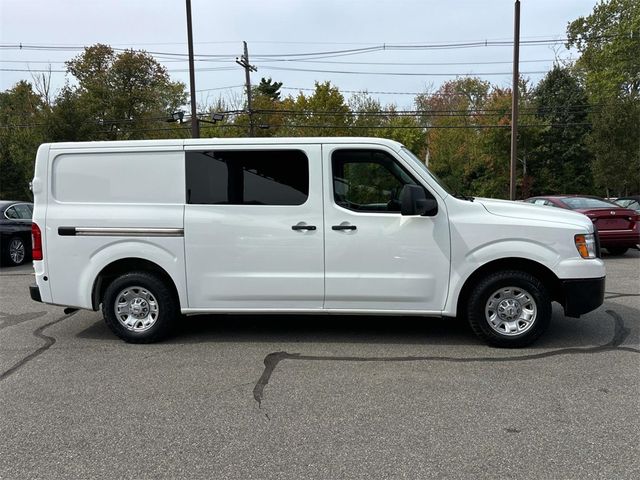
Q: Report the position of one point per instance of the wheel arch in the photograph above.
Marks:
(540, 271)
(125, 265)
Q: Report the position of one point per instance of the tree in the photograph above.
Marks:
(21, 132)
(450, 115)
(126, 94)
(269, 88)
(561, 162)
(609, 43)
(615, 142)
(323, 113)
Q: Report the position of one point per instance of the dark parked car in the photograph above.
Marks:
(632, 202)
(618, 228)
(15, 232)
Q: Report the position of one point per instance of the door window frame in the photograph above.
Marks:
(391, 156)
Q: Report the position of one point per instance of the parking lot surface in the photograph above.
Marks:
(241, 397)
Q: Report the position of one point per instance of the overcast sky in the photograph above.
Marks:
(276, 29)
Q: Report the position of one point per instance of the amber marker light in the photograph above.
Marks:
(586, 245)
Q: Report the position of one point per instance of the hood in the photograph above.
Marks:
(529, 211)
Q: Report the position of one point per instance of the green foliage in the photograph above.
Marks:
(124, 95)
(561, 161)
(615, 142)
(269, 89)
(324, 113)
(609, 43)
(20, 107)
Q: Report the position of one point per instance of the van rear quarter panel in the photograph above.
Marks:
(112, 188)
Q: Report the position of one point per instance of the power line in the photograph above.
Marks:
(336, 62)
(361, 50)
(172, 60)
(415, 74)
(276, 42)
(337, 127)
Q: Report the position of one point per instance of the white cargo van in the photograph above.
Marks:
(147, 230)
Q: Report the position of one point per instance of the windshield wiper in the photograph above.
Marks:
(463, 197)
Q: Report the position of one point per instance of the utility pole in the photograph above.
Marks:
(195, 127)
(243, 61)
(514, 101)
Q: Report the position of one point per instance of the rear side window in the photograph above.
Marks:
(247, 177)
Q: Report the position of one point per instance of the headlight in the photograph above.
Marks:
(586, 245)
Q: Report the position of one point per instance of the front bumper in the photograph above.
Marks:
(34, 291)
(582, 295)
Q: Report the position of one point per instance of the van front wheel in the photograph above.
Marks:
(509, 309)
(139, 307)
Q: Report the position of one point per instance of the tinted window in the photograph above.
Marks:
(247, 177)
(585, 202)
(11, 213)
(24, 212)
(368, 180)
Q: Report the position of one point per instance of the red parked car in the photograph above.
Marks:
(618, 228)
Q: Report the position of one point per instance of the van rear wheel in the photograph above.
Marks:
(139, 307)
(509, 309)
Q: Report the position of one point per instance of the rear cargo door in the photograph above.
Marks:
(254, 228)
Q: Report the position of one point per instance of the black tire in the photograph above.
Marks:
(11, 244)
(617, 250)
(146, 287)
(510, 282)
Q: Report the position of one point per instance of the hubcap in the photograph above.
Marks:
(16, 251)
(136, 309)
(511, 311)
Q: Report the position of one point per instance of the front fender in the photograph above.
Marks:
(470, 261)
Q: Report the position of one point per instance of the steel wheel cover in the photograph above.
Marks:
(511, 311)
(136, 308)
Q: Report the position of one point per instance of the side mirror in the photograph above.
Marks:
(413, 201)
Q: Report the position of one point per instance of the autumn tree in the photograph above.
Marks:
(126, 94)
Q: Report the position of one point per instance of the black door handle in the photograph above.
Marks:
(303, 227)
(344, 227)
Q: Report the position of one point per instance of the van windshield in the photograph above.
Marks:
(424, 168)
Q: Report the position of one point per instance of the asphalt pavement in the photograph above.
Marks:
(317, 397)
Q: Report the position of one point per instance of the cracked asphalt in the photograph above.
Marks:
(241, 397)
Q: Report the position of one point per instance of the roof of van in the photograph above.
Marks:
(227, 141)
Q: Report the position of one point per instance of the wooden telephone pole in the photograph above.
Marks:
(514, 101)
(243, 61)
(195, 127)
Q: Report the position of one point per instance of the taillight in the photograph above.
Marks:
(36, 242)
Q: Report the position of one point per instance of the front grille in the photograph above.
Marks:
(596, 235)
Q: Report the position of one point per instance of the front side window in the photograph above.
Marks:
(368, 180)
(247, 177)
